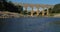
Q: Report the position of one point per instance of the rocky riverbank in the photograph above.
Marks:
(6, 14)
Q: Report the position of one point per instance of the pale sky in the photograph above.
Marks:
(50, 2)
(38, 1)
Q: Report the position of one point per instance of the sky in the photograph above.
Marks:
(51, 2)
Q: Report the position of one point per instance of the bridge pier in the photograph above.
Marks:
(47, 12)
(25, 6)
(37, 11)
(43, 12)
(26, 9)
(32, 12)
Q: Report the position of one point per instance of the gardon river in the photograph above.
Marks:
(30, 24)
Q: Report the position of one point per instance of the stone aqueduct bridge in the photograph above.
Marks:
(43, 6)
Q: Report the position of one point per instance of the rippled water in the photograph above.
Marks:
(34, 24)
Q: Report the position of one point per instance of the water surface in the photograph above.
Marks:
(30, 24)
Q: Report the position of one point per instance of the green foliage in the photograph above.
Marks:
(9, 6)
(50, 10)
(29, 13)
(56, 9)
(25, 12)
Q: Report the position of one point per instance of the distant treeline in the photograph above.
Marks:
(55, 9)
(9, 6)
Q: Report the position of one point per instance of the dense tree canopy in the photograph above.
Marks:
(9, 6)
(56, 9)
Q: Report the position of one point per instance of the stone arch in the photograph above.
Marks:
(39, 7)
(23, 8)
(35, 9)
(29, 9)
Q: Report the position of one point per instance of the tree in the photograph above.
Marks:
(29, 13)
(50, 10)
(20, 8)
(56, 9)
(9, 6)
(2, 7)
(25, 12)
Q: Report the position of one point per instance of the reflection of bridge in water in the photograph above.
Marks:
(38, 6)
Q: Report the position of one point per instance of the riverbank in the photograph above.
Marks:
(6, 14)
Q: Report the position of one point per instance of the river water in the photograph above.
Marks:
(30, 24)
